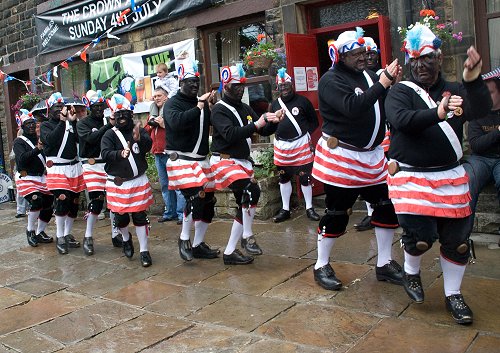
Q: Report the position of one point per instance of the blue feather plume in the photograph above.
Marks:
(413, 37)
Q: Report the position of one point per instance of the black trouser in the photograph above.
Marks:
(451, 233)
(340, 200)
(201, 204)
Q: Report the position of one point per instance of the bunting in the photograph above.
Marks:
(45, 78)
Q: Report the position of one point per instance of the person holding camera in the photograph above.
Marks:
(174, 202)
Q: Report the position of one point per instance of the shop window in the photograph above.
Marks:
(227, 45)
(344, 12)
(487, 19)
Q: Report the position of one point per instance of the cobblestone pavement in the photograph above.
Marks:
(107, 303)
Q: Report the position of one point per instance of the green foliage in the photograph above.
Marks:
(151, 172)
(27, 101)
(265, 164)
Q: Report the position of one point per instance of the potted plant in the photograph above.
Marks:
(261, 55)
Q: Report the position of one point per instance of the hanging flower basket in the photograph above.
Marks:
(262, 62)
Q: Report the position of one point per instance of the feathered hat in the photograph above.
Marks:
(22, 116)
(347, 41)
(370, 44)
(53, 99)
(187, 69)
(232, 74)
(282, 76)
(420, 40)
(119, 102)
(93, 97)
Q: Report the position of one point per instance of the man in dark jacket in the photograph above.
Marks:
(124, 149)
(292, 144)
(428, 186)
(483, 166)
(30, 179)
(234, 123)
(64, 170)
(91, 129)
(187, 123)
(349, 159)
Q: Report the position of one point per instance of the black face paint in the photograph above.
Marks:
(190, 86)
(124, 119)
(355, 59)
(235, 91)
(29, 127)
(55, 111)
(425, 69)
(97, 110)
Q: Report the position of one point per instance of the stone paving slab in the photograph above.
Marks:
(87, 322)
(38, 287)
(132, 336)
(108, 303)
(322, 326)
(30, 341)
(415, 336)
(39, 311)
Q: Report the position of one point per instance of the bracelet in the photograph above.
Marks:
(389, 76)
(202, 101)
(265, 118)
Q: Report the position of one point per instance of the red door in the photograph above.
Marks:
(302, 52)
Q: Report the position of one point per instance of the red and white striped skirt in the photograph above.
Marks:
(227, 171)
(293, 153)
(30, 184)
(436, 194)
(65, 177)
(94, 176)
(183, 174)
(132, 196)
(349, 169)
(386, 142)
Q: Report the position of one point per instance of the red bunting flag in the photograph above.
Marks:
(64, 64)
(83, 55)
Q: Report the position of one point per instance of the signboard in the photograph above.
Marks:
(299, 75)
(82, 21)
(5, 184)
(133, 75)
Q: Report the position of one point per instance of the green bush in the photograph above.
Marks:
(265, 164)
(151, 172)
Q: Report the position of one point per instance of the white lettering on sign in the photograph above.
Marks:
(147, 11)
(48, 32)
(87, 28)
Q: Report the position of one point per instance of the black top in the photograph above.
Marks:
(346, 105)
(90, 132)
(228, 135)
(416, 137)
(484, 136)
(182, 124)
(111, 149)
(305, 115)
(52, 134)
(27, 157)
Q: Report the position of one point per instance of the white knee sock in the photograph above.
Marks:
(60, 220)
(200, 229)
(307, 191)
(384, 245)
(412, 264)
(286, 192)
(234, 238)
(369, 208)
(125, 233)
(41, 226)
(91, 221)
(68, 225)
(32, 217)
(142, 235)
(452, 276)
(325, 246)
(248, 214)
(187, 223)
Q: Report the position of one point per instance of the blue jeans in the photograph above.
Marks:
(169, 196)
(481, 171)
(174, 201)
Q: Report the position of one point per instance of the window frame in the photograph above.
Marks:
(482, 32)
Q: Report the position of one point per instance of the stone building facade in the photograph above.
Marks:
(21, 58)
